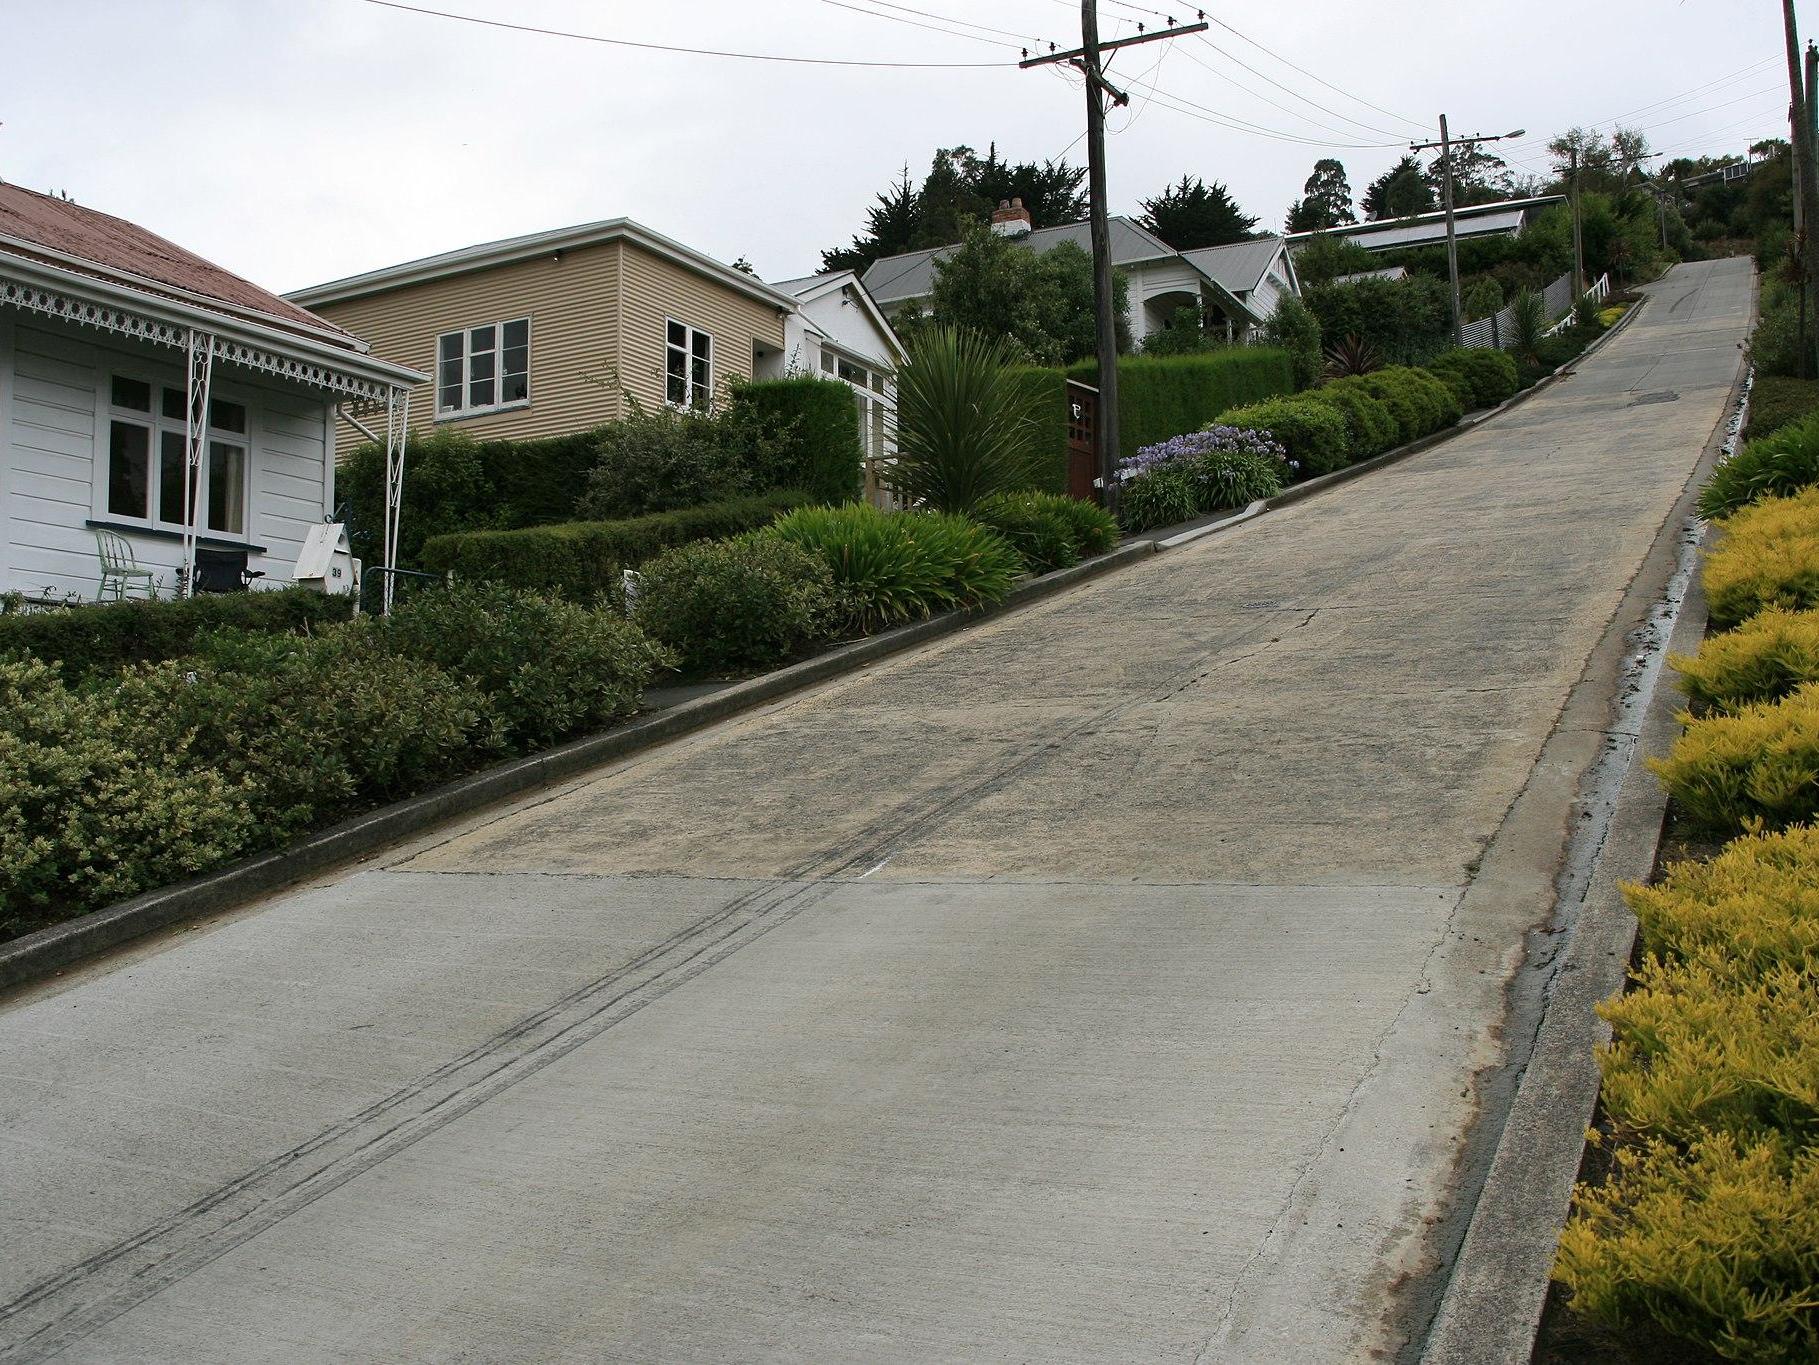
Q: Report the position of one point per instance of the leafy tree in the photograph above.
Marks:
(1401, 191)
(1605, 163)
(948, 202)
(1193, 214)
(1052, 191)
(1040, 302)
(1325, 257)
(890, 228)
(1326, 200)
(1478, 176)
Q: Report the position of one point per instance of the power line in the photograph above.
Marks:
(950, 19)
(670, 47)
(1238, 125)
(1356, 99)
(1691, 113)
(917, 23)
(1386, 132)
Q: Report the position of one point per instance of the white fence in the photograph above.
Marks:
(1499, 329)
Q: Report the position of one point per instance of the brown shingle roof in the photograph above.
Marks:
(117, 245)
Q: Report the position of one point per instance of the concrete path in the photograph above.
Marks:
(1109, 982)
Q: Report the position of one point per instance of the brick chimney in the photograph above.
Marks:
(1010, 218)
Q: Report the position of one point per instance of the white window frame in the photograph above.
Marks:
(695, 394)
(878, 440)
(156, 424)
(469, 408)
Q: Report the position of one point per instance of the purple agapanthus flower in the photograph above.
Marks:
(1215, 440)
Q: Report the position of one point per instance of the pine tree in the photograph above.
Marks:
(1192, 214)
(890, 228)
(1400, 191)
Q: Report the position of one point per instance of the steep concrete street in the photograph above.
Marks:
(1111, 981)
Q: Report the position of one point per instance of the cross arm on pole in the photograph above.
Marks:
(1074, 54)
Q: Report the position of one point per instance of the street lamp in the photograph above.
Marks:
(1446, 145)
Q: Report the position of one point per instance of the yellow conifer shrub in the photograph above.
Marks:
(1765, 658)
(1768, 557)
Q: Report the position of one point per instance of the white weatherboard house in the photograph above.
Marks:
(839, 332)
(1236, 285)
(110, 338)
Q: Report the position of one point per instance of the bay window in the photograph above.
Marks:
(146, 461)
(483, 369)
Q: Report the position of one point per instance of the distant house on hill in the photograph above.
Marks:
(111, 339)
(1508, 217)
(1237, 286)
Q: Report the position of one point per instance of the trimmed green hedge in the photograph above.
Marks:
(1049, 390)
(103, 636)
(1160, 396)
(1490, 374)
(1370, 426)
(581, 560)
(1315, 435)
(817, 423)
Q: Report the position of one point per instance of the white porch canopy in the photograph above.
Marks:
(208, 332)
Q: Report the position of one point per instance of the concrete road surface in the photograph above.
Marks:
(1112, 981)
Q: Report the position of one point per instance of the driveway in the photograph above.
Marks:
(1111, 981)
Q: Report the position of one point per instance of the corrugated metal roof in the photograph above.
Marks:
(1391, 273)
(1237, 266)
(1424, 233)
(115, 247)
(911, 275)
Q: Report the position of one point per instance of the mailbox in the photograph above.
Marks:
(327, 563)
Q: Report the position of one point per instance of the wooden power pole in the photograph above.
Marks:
(1806, 213)
(1089, 60)
(1446, 145)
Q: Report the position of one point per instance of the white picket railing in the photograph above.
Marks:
(1499, 329)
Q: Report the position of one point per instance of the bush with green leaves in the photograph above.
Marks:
(662, 459)
(1404, 321)
(1162, 396)
(1043, 537)
(1776, 400)
(1764, 659)
(548, 669)
(87, 815)
(891, 567)
(1774, 465)
(806, 431)
(1158, 497)
(1314, 435)
(736, 606)
(101, 637)
(1093, 529)
(583, 560)
(1482, 297)
(1768, 556)
(1370, 425)
(1490, 373)
(1528, 323)
(966, 422)
(1295, 330)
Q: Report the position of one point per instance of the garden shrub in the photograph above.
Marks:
(806, 435)
(1158, 497)
(548, 668)
(1457, 385)
(1768, 557)
(308, 727)
(1041, 533)
(1490, 372)
(736, 605)
(1765, 658)
(1048, 414)
(1418, 401)
(661, 459)
(1776, 400)
(101, 637)
(1759, 764)
(1446, 404)
(890, 567)
(1315, 435)
(1094, 530)
(1783, 462)
(1715, 1243)
(966, 421)
(1292, 328)
(1163, 396)
(1370, 426)
(582, 560)
(1404, 321)
(448, 487)
(87, 816)
(1752, 908)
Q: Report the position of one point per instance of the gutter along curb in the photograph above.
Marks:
(37, 955)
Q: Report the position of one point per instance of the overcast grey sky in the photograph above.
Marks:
(296, 141)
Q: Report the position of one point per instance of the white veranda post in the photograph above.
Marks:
(397, 424)
(200, 348)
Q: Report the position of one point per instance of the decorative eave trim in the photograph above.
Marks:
(50, 291)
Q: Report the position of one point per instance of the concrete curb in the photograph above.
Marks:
(1490, 1312)
(38, 954)
(1312, 487)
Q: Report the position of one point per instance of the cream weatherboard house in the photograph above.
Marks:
(124, 361)
(558, 331)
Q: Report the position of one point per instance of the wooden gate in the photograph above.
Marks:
(1082, 441)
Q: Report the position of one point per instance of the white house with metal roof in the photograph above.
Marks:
(161, 411)
(839, 332)
(1506, 217)
(1259, 273)
(1161, 279)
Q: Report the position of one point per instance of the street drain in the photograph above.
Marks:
(1665, 396)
